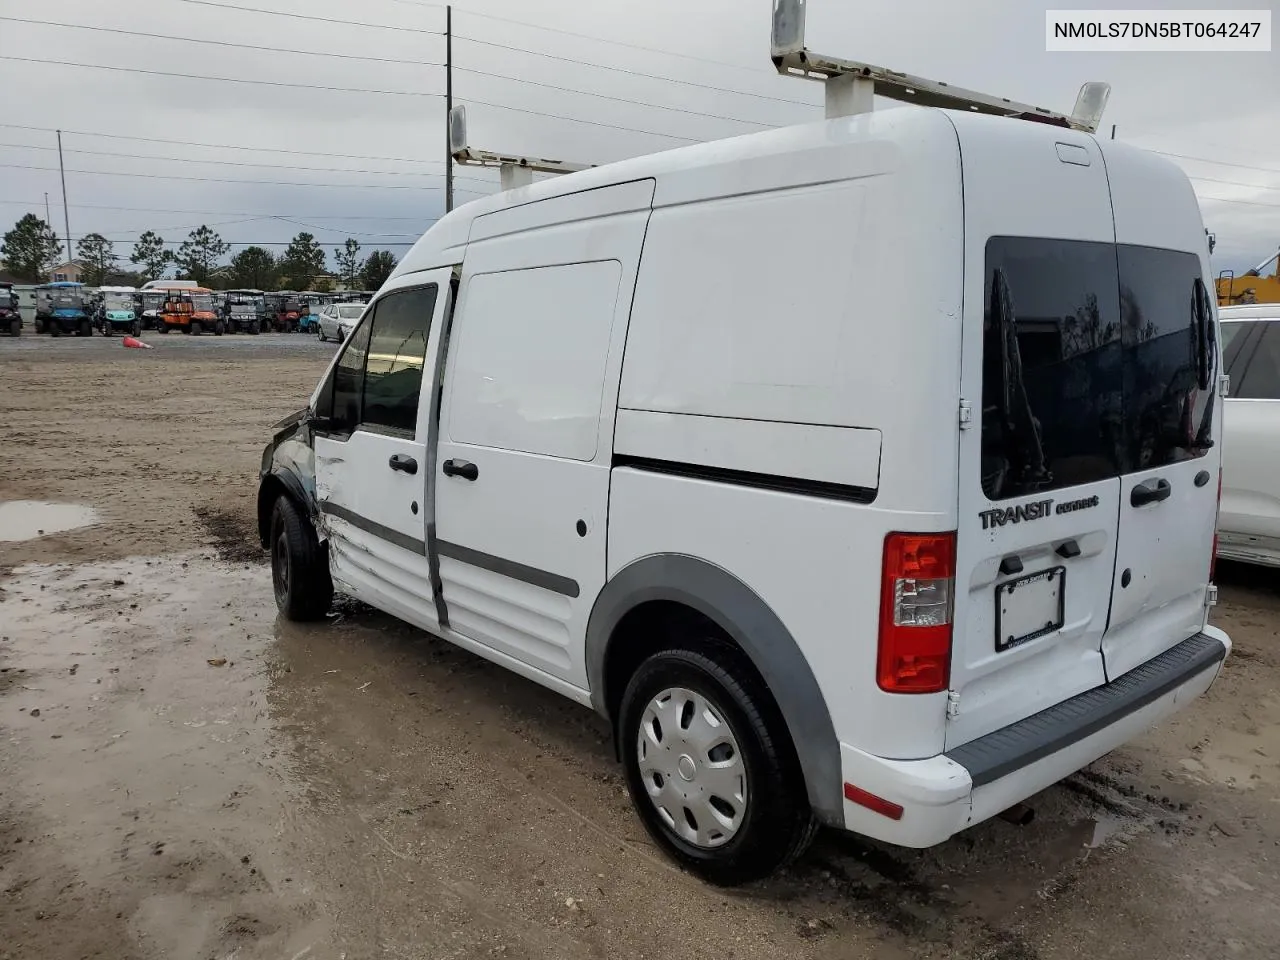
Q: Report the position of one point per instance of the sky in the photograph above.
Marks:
(345, 135)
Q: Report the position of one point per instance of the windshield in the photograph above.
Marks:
(202, 301)
(350, 312)
(118, 301)
(1098, 360)
(65, 298)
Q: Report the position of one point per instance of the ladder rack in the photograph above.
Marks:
(851, 84)
(513, 170)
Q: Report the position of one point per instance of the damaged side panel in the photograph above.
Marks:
(288, 467)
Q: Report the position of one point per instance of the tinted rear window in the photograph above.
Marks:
(1090, 360)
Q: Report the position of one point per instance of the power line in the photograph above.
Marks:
(587, 36)
(263, 183)
(221, 43)
(634, 73)
(265, 243)
(197, 76)
(307, 16)
(214, 213)
(407, 93)
(240, 163)
(1220, 163)
(224, 146)
(1233, 183)
(353, 233)
(592, 123)
(1243, 203)
(603, 96)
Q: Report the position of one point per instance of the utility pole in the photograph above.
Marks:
(47, 218)
(448, 106)
(66, 216)
(1113, 131)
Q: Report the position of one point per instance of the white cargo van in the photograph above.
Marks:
(861, 473)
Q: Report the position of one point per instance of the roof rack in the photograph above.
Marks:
(513, 170)
(851, 85)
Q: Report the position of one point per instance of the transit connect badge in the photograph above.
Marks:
(1036, 510)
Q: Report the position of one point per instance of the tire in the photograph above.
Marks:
(162, 328)
(85, 329)
(15, 328)
(55, 328)
(196, 328)
(774, 823)
(299, 565)
(136, 329)
(219, 329)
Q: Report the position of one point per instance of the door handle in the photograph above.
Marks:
(460, 468)
(403, 464)
(1151, 492)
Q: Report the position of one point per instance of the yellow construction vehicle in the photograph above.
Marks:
(1252, 286)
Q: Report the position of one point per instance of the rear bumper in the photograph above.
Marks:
(943, 795)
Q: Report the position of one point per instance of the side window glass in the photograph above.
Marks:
(1237, 339)
(1260, 379)
(397, 346)
(1051, 375)
(348, 381)
(1164, 405)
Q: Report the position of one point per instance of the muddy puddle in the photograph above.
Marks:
(186, 776)
(28, 519)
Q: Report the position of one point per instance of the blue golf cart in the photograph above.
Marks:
(63, 308)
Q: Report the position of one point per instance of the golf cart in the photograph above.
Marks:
(62, 308)
(150, 304)
(284, 308)
(10, 316)
(117, 311)
(245, 311)
(191, 311)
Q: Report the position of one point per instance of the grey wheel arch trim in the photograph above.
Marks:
(748, 620)
(294, 489)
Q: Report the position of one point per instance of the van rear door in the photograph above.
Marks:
(1169, 492)
(1040, 375)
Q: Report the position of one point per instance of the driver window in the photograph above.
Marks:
(348, 381)
(377, 381)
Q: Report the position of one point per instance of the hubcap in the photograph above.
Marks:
(692, 768)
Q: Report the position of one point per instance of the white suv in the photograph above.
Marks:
(1249, 522)
(860, 473)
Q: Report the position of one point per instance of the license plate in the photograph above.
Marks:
(1030, 607)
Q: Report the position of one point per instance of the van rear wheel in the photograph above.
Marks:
(710, 767)
(299, 566)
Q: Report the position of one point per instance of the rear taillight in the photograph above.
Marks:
(915, 612)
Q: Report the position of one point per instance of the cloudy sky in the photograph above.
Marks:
(363, 156)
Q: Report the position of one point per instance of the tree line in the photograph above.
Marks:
(32, 249)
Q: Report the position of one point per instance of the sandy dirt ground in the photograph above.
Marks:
(184, 775)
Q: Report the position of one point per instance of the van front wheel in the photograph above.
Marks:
(710, 767)
(299, 567)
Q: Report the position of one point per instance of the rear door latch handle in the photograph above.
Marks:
(460, 468)
(402, 463)
(1150, 492)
